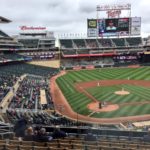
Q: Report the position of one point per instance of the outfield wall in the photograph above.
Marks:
(105, 66)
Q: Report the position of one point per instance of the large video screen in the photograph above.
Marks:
(113, 26)
(123, 24)
(101, 26)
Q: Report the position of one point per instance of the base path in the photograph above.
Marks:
(61, 105)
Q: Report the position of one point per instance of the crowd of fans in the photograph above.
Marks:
(26, 101)
(12, 57)
(105, 42)
(92, 43)
(29, 89)
(41, 118)
(24, 130)
(79, 43)
(24, 68)
(6, 84)
(28, 94)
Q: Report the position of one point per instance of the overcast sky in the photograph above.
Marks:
(63, 16)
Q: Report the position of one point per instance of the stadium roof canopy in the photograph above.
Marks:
(4, 20)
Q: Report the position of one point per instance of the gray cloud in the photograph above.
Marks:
(60, 16)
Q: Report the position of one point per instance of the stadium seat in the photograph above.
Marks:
(29, 143)
(2, 146)
(39, 144)
(79, 43)
(14, 142)
(12, 147)
(66, 43)
(25, 147)
(40, 148)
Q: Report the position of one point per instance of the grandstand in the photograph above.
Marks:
(38, 43)
(101, 48)
(7, 43)
(38, 40)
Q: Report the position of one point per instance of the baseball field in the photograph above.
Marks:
(81, 88)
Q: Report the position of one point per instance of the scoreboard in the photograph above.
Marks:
(123, 24)
(114, 26)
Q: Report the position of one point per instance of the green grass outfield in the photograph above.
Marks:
(78, 101)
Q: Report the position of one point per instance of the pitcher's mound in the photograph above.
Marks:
(122, 92)
(94, 106)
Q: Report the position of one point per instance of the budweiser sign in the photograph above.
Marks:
(32, 28)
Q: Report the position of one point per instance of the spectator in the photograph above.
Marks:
(146, 138)
(111, 26)
(20, 127)
(89, 136)
(29, 135)
(57, 133)
(43, 136)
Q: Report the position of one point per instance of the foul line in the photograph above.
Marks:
(91, 113)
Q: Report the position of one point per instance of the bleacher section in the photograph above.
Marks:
(100, 43)
(23, 68)
(92, 43)
(69, 52)
(86, 62)
(79, 43)
(6, 83)
(66, 44)
(3, 34)
(28, 94)
(78, 143)
(40, 118)
(9, 74)
(29, 43)
(105, 42)
(137, 41)
(87, 49)
(26, 100)
(82, 51)
(7, 43)
(119, 42)
(10, 57)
